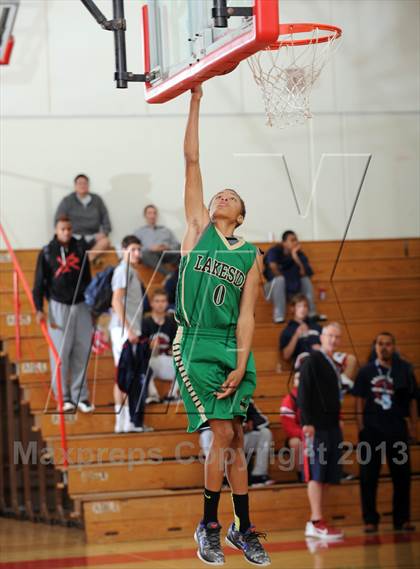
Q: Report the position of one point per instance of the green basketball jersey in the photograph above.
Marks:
(211, 279)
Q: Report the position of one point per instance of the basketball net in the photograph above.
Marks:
(286, 74)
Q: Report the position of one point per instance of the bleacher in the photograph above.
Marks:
(118, 495)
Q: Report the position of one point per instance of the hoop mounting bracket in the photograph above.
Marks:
(118, 26)
(115, 24)
(135, 78)
(221, 13)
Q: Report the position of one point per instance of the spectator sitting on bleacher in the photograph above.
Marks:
(160, 327)
(386, 391)
(302, 335)
(288, 272)
(89, 216)
(160, 246)
(128, 299)
(61, 276)
(257, 440)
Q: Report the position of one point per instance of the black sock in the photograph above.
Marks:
(241, 507)
(211, 504)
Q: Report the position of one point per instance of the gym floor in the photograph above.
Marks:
(25, 545)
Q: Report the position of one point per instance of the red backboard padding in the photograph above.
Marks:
(8, 51)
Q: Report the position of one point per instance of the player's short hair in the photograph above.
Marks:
(287, 233)
(149, 206)
(243, 208)
(129, 240)
(81, 176)
(299, 298)
(159, 292)
(389, 334)
(63, 219)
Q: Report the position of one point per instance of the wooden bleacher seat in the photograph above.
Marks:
(375, 287)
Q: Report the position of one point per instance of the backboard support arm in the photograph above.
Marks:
(221, 13)
(118, 26)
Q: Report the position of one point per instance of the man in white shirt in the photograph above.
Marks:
(126, 317)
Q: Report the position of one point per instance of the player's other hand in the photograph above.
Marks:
(197, 92)
(229, 386)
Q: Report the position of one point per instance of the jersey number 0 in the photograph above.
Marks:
(219, 295)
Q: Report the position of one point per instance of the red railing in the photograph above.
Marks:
(18, 275)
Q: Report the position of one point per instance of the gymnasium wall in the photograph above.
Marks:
(62, 115)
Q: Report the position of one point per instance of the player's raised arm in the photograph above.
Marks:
(196, 213)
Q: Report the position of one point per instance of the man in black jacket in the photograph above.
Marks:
(319, 403)
(385, 391)
(62, 275)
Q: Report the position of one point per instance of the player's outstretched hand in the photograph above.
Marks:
(197, 92)
(229, 386)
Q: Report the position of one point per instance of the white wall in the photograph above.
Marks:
(61, 115)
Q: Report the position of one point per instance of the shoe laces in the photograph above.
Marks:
(252, 537)
(213, 536)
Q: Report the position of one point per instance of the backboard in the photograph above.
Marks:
(8, 11)
(186, 44)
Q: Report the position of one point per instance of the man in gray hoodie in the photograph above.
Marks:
(88, 215)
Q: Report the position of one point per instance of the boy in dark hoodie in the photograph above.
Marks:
(62, 275)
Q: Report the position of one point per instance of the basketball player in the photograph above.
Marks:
(219, 275)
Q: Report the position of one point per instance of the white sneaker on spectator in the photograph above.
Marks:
(321, 530)
(143, 429)
(147, 429)
(133, 429)
(126, 420)
(152, 399)
(85, 406)
(68, 406)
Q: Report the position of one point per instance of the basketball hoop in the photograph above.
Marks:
(287, 70)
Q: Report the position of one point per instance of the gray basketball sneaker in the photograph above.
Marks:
(209, 549)
(249, 543)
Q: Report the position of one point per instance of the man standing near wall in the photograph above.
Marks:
(385, 391)
(88, 215)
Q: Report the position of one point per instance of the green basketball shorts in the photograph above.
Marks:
(203, 360)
